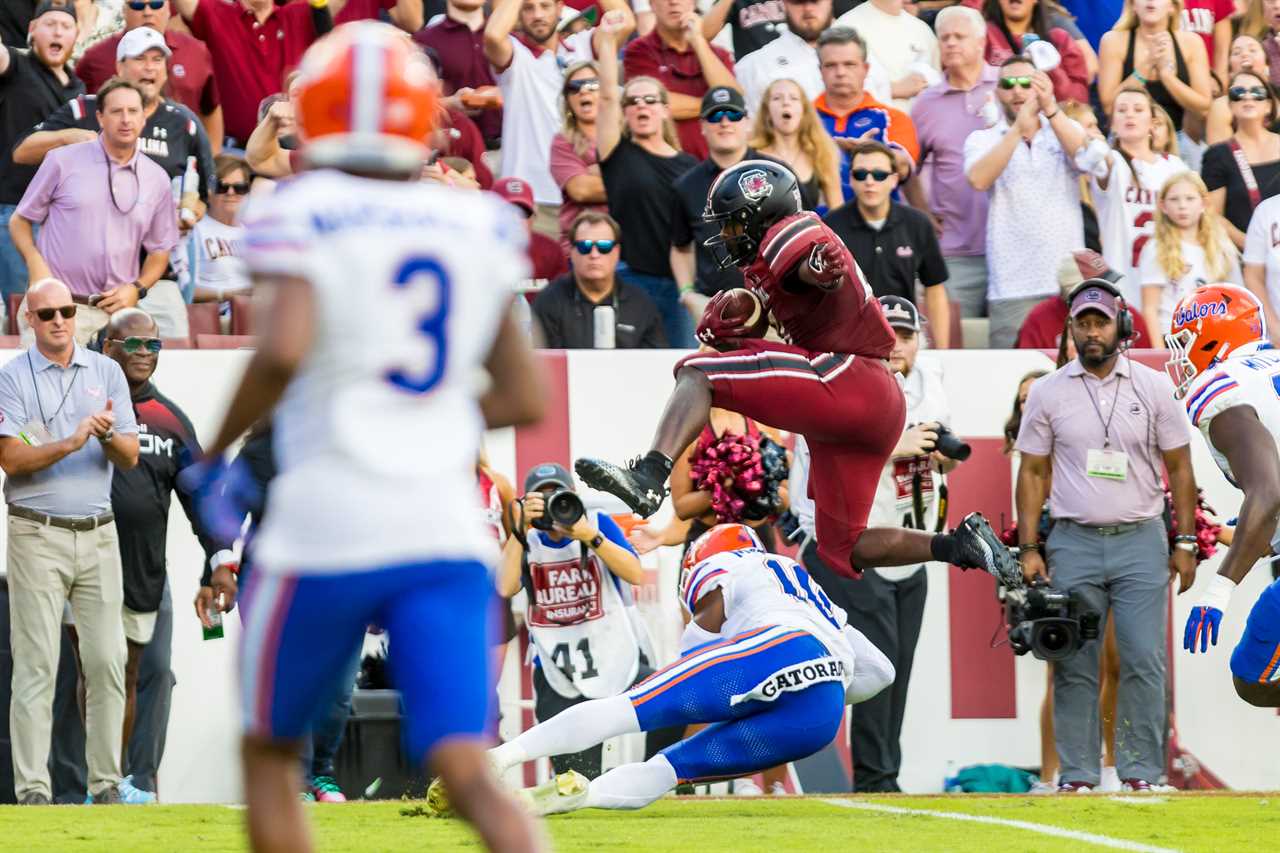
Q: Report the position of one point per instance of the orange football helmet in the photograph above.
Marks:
(366, 100)
(1208, 325)
(721, 538)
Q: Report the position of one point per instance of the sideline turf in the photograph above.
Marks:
(1190, 822)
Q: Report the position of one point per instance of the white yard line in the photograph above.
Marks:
(1041, 828)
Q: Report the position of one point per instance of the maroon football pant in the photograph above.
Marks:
(850, 409)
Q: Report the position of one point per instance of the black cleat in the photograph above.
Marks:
(980, 548)
(636, 486)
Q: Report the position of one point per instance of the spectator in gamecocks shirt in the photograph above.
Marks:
(754, 23)
(678, 55)
(253, 44)
(191, 81)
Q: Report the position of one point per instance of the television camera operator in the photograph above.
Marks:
(577, 568)
(1099, 429)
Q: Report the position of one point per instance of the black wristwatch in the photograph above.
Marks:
(142, 291)
(596, 542)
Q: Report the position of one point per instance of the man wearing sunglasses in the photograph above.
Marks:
(140, 498)
(1026, 164)
(894, 245)
(191, 82)
(725, 129)
(67, 425)
(566, 310)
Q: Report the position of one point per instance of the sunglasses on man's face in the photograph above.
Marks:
(584, 246)
(586, 84)
(1010, 82)
(879, 175)
(720, 115)
(133, 343)
(46, 314)
(636, 100)
(1247, 93)
(154, 5)
(240, 188)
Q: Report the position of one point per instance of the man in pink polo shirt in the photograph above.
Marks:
(678, 55)
(191, 81)
(254, 43)
(1100, 428)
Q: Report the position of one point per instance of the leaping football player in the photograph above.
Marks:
(830, 381)
(766, 659)
(380, 323)
(1229, 375)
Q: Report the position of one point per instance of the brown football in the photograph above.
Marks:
(742, 308)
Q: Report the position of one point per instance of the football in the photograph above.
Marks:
(742, 308)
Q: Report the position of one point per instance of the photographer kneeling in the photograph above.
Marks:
(577, 569)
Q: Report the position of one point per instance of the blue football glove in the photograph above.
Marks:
(1202, 627)
(222, 495)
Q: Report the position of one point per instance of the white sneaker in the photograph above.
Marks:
(747, 787)
(1039, 787)
(566, 792)
(1109, 782)
(777, 789)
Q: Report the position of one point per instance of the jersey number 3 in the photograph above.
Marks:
(422, 273)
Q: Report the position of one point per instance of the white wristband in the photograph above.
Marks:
(1219, 593)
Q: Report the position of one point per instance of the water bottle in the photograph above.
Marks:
(606, 327)
(189, 193)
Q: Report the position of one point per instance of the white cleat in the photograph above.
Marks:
(747, 787)
(566, 792)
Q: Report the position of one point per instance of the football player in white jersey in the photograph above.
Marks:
(1229, 375)
(390, 304)
(766, 659)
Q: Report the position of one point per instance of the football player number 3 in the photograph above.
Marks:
(794, 581)
(425, 273)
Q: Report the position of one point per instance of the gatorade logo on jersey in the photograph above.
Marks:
(565, 593)
(791, 679)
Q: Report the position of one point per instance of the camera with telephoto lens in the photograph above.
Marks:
(1049, 623)
(950, 446)
(562, 507)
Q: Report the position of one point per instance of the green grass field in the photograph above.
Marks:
(1185, 822)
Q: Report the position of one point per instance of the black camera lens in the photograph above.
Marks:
(565, 508)
(950, 446)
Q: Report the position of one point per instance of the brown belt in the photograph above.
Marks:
(88, 522)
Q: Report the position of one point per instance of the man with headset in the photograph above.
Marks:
(1099, 429)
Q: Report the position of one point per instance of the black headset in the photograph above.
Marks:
(1124, 317)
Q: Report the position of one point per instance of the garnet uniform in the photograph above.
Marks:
(830, 381)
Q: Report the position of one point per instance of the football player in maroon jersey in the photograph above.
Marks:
(830, 381)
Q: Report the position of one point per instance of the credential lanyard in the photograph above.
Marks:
(36, 387)
(1106, 425)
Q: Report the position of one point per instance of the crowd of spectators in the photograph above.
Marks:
(1016, 133)
(980, 159)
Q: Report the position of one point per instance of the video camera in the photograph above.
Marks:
(1049, 623)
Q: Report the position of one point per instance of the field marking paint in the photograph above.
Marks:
(1043, 829)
